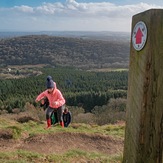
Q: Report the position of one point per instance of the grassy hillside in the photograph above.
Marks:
(23, 139)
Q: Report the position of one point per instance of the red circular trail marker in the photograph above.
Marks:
(139, 36)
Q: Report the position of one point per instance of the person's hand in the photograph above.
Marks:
(42, 101)
(56, 103)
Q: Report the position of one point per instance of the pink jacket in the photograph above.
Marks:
(55, 98)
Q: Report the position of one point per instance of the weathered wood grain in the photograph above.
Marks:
(144, 125)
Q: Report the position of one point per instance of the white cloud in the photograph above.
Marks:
(23, 8)
(72, 15)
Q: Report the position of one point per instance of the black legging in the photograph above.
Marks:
(58, 110)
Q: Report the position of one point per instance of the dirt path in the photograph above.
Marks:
(62, 142)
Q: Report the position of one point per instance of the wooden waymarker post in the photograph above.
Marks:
(144, 121)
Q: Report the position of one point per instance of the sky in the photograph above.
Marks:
(72, 15)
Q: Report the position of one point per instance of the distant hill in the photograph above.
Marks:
(95, 35)
(83, 50)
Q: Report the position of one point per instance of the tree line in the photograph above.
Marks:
(79, 87)
(83, 53)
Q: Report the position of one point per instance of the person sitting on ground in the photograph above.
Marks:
(66, 117)
(56, 101)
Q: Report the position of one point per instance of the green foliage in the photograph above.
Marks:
(16, 131)
(52, 50)
(115, 130)
(21, 156)
(28, 155)
(80, 88)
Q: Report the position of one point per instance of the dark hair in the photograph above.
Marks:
(66, 109)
